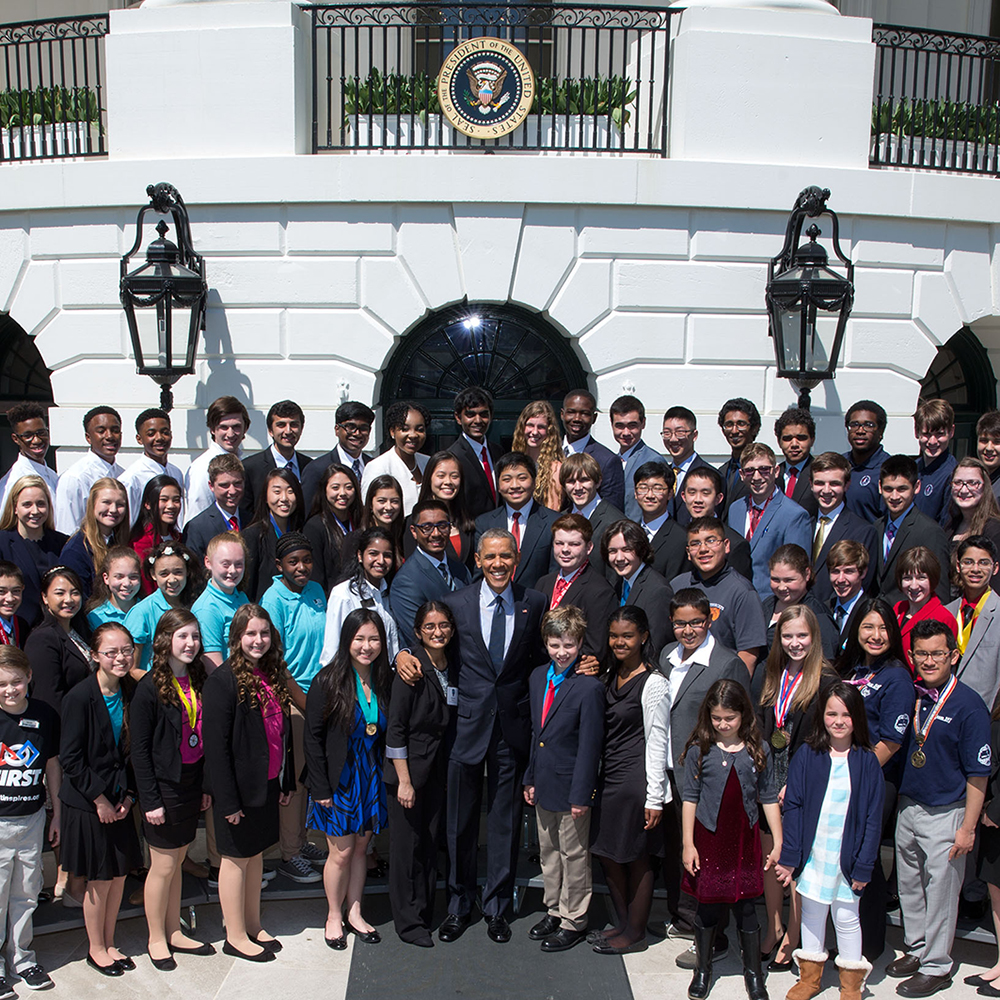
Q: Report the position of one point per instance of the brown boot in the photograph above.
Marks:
(810, 974)
(852, 977)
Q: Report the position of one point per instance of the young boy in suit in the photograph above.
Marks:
(567, 733)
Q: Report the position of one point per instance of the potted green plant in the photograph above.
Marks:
(48, 122)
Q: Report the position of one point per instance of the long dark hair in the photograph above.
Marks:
(323, 507)
(731, 696)
(428, 607)
(819, 738)
(853, 655)
(262, 513)
(368, 519)
(79, 620)
(356, 572)
(195, 574)
(336, 679)
(163, 639)
(634, 616)
(457, 510)
(149, 510)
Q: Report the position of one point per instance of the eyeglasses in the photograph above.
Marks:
(676, 435)
(113, 654)
(443, 627)
(732, 425)
(444, 527)
(42, 435)
(653, 491)
(696, 624)
(966, 486)
(977, 563)
(355, 430)
(704, 543)
(858, 425)
(763, 471)
(923, 655)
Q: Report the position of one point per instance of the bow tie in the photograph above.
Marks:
(857, 681)
(931, 693)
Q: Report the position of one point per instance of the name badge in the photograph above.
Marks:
(29, 724)
(451, 696)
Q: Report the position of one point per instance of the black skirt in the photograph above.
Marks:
(182, 803)
(94, 850)
(256, 831)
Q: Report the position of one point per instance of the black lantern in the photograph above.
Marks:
(808, 303)
(164, 299)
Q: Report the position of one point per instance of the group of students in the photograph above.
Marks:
(730, 676)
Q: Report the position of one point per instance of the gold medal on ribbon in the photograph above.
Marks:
(918, 758)
(779, 739)
(371, 729)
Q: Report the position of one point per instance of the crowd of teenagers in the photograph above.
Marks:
(744, 680)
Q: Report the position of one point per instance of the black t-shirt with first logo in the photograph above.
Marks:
(27, 743)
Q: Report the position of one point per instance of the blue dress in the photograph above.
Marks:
(359, 799)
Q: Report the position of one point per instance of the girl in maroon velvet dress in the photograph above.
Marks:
(732, 773)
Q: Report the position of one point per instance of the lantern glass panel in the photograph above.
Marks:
(163, 334)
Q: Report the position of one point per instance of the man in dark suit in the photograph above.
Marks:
(691, 664)
(628, 421)
(580, 476)
(829, 475)
(476, 455)
(740, 423)
(579, 583)
(430, 573)
(353, 426)
(653, 485)
(225, 480)
(285, 423)
(902, 527)
(529, 523)
(795, 431)
(579, 411)
(499, 644)
(679, 434)
(847, 566)
(702, 496)
(628, 552)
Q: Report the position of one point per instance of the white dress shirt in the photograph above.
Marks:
(477, 449)
(343, 600)
(280, 462)
(196, 492)
(487, 610)
(522, 520)
(74, 488)
(652, 527)
(575, 447)
(139, 473)
(680, 471)
(390, 464)
(341, 456)
(24, 466)
(679, 669)
(588, 511)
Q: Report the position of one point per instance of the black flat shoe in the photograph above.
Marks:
(452, 928)
(273, 945)
(337, 943)
(977, 981)
(366, 937)
(126, 963)
(265, 956)
(202, 949)
(114, 969)
(775, 966)
(167, 964)
(604, 948)
(379, 870)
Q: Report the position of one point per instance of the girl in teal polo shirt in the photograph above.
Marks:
(117, 587)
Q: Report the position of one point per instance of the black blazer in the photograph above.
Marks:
(155, 729)
(57, 665)
(256, 467)
(669, 549)
(475, 488)
(324, 745)
(566, 751)
(536, 541)
(733, 485)
(595, 597)
(28, 557)
(612, 486)
(653, 594)
(847, 526)
(802, 494)
(261, 542)
(723, 663)
(236, 746)
(916, 529)
(200, 530)
(416, 582)
(93, 764)
(484, 696)
(327, 551)
(421, 721)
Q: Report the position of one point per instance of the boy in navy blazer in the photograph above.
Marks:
(567, 734)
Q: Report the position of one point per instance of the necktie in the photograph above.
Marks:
(550, 693)
(820, 540)
(838, 617)
(234, 525)
(566, 450)
(756, 513)
(5, 639)
(489, 474)
(358, 469)
(515, 529)
(890, 534)
(626, 587)
(649, 530)
(497, 635)
(443, 569)
(559, 591)
(793, 476)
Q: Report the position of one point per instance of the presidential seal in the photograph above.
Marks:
(486, 88)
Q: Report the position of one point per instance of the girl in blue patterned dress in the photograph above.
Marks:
(345, 724)
(832, 829)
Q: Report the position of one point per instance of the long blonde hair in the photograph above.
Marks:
(90, 530)
(549, 454)
(777, 660)
(8, 520)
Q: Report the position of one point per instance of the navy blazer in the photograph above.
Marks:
(536, 541)
(23, 554)
(612, 486)
(566, 751)
(808, 775)
(77, 556)
(475, 488)
(784, 522)
(201, 529)
(486, 697)
(418, 581)
(847, 526)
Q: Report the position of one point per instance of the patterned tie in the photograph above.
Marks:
(890, 534)
(626, 587)
(515, 528)
(820, 540)
(756, 513)
(566, 450)
(489, 474)
(497, 636)
(443, 568)
(550, 693)
(234, 525)
(358, 469)
(559, 591)
(793, 476)
(839, 614)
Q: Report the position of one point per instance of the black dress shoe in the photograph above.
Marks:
(922, 985)
(114, 969)
(366, 937)
(264, 956)
(903, 967)
(545, 927)
(563, 940)
(453, 927)
(202, 949)
(167, 964)
(337, 943)
(498, 929)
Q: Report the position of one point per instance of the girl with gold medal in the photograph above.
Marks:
(168, 761)
(785, 692)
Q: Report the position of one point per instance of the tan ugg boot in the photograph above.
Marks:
(852, 977)
(810, 974)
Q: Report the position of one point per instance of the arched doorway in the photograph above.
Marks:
(962, 374)
(23, 377)
(512, 352)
